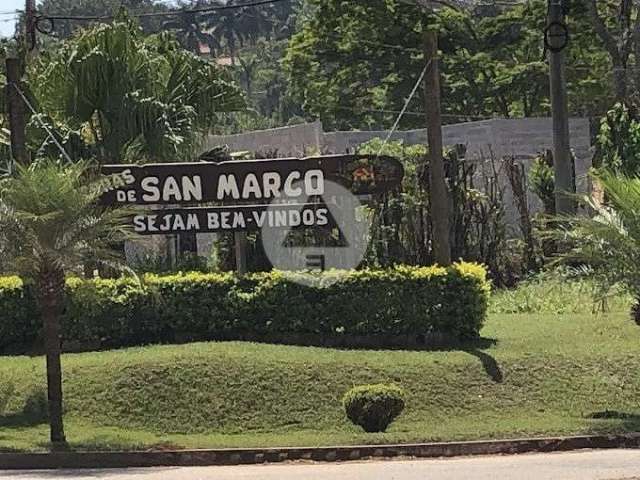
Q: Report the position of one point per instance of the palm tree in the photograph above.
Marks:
(50, 223)
(188, 29)
(133, 96)
(229, 26)
(608, 240)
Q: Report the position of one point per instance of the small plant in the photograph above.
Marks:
(542, 181)
(374, 407)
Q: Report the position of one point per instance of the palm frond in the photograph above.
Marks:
(49, 214)
(608, 240)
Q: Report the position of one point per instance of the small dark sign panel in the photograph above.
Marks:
(257, 181)
(232, 218)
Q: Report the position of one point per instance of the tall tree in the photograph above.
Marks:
(352, 58)
(229, 26)
(98, 8)
(50, 223)
(617, 23)
(353, 64)
(188, 27)
(128, 96)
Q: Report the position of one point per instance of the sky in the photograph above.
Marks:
(7, 22)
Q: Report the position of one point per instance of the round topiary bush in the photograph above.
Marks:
(374, 407)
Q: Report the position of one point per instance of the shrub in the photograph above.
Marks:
(374, 407)
(19, 319)
(36, 407)
(542, 181)
(114, 313)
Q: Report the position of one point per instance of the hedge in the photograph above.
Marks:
(109, 313)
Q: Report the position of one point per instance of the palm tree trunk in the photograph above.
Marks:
(51, 285)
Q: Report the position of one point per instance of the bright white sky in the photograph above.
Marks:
(7, 22)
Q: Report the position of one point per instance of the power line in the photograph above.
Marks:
(256, 3)
(405, 107)
(43, 125)
(413, 113)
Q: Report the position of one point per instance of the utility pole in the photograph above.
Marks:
(30, 26)
(556, 40)
(17, 112)
(16, 108)
(439, 192)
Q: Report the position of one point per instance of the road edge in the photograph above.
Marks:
(233, 456)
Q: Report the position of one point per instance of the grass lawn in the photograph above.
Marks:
(534, 374)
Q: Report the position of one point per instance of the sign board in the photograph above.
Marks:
(232, 196)
(256, 181)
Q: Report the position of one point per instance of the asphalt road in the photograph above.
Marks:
(585, 465)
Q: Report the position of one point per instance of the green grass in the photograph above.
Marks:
(534, 374)
(554, 292)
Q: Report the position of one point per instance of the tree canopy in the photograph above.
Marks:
(353, 64)
(124, 95)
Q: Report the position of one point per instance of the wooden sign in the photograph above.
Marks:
(256, 181)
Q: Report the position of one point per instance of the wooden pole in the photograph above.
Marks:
(17, 112)
(30, 26)
(438, 190)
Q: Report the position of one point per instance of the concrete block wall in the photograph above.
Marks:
(293, 141)
(522, 137)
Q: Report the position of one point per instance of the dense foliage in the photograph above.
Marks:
(402, 226)
(64, 29)
(353, 64)
(50, 219)
(120, 95)
(618, 141)
(374, 407)
(114, 313)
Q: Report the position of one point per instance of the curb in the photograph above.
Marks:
(200, 458)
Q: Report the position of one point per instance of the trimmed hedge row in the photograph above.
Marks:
(195, 306)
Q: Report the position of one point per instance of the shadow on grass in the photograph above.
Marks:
(608, 421)
(20, 420)
(400, 342)
(475, 348)
(490, 365)
(413, 344)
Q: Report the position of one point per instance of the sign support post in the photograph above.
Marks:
(241, 247)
